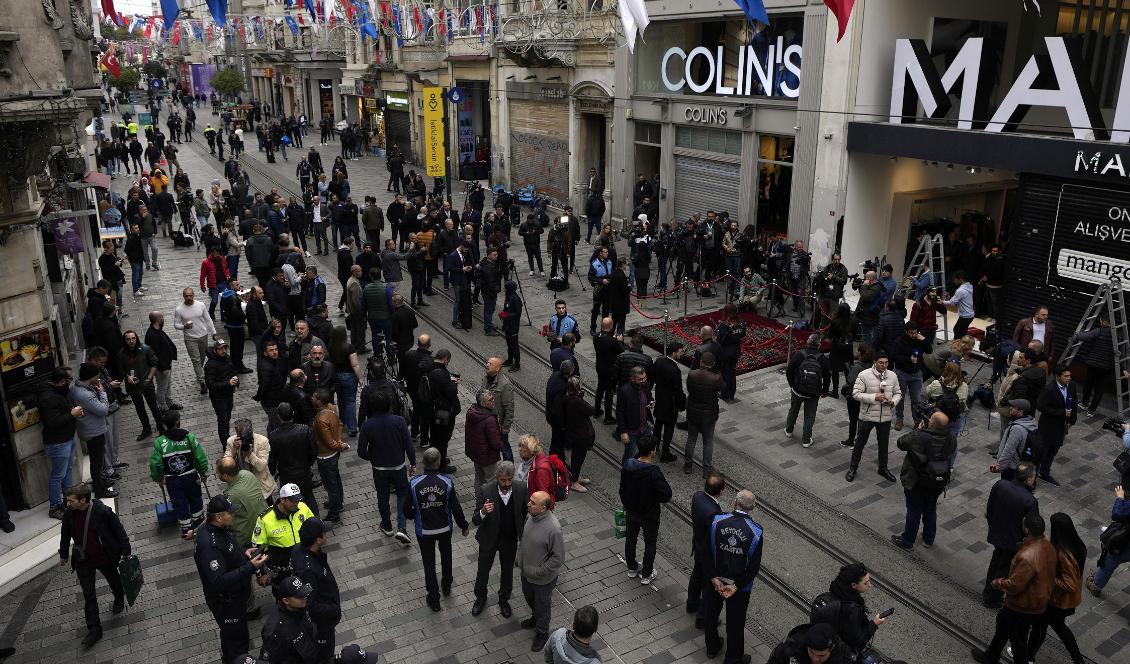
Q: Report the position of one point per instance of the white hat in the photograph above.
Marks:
(642, 217)
(290, 491)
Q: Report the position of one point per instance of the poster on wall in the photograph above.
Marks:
(26, 360)
(1090, 240)
(466, 120)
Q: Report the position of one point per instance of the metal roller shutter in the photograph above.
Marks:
(539, 147)
(1031, 247)
(703, 184)
(398, 131)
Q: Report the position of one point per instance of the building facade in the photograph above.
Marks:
(48, 230)
(989, 124)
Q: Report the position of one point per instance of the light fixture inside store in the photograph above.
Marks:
(973, 170)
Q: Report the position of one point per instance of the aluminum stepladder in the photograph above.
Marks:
(930, 252)
(1108, 302)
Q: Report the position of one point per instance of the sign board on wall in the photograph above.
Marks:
(26, 360)
(1059, 79)
(435, 157)
(1090, 241)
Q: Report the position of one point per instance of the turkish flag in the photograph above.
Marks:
(110, 61)
(842, 10)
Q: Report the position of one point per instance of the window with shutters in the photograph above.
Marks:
(722, 141)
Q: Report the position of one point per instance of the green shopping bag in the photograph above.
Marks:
(130, 570)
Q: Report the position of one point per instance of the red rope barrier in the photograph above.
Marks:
(640, 312)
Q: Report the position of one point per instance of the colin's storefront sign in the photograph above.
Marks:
(704, 70)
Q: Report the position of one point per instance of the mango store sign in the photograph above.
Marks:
(1056, 79)
(703, 70)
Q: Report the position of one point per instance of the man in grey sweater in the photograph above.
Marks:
(1021, 423)
(541, 555)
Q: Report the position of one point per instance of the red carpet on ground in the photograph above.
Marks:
(766, 343)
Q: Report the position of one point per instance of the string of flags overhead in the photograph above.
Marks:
(403, 21)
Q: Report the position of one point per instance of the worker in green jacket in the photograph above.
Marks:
(242, 488)
(179, 464)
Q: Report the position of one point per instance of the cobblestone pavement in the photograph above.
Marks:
(752, 428)
(381, 582)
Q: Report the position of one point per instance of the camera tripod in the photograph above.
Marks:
(512, 271)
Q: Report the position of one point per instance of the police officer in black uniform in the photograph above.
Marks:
(736, 543)
(288, 635)
(226, 570)
(309, 563)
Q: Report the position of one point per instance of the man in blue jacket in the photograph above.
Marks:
(386, 443)
(434, 506)
(736, 543)
(705, 505)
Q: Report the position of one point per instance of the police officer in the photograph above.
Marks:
(432, 503)
(277, 529)
(309, 563)
(288, 635)
(225, 571)
(734, 562)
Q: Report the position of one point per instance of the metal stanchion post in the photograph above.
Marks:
(788, 331)
(666, 330)
(686, 295)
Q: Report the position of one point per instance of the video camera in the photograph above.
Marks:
(856, 281)
(1114, 425)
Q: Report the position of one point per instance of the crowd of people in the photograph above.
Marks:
(373, 381)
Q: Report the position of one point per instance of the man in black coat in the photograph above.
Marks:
(667, 381)
(295, 395)
(162, 346)
(445, 405)
(293, 453)
(257, 318)
(1009, 502)
(221, 377)
(634, 405)
(608, 348)
(1058, 406)
(96, 531)
(619, 292)
(309, 562)
(412, 367)
(271, 383)
(705, 505)
(499, 520)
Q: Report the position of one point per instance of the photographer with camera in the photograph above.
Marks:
(530, 231)
(558, 245)
(641, 247)
(686, 251)
(251, 452)
(796, 275)
(708, 237)
(831, 282)
(868, 308)
(664, 249)
(732, 256)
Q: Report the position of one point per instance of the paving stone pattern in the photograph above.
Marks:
(381, 581)
(753, 427)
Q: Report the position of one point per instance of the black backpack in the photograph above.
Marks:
(949, 404)
(826, 609)
(934, 473)
(1033, 448)
(809, 378)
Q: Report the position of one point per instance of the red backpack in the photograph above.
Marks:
(561, 479)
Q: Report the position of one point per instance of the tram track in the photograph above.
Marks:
(774, 580)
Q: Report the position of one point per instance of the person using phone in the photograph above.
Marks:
(226, 568)
(877, 391)
(845, 608)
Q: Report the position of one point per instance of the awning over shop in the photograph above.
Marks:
(1099, 161)
(92, 179)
